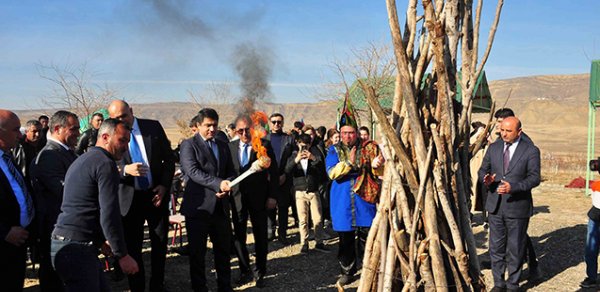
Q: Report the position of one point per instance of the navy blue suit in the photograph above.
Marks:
(510, 213)
(205, 214)
(12, 258)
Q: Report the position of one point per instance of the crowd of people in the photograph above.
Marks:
(69, 197)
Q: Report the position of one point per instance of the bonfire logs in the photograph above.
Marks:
(421, 237)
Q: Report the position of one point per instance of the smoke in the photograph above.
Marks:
(254, 65)
(175, 15)
(177, 31)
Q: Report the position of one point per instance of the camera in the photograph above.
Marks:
(595, 164)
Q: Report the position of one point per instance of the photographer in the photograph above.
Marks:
(305, 167)
(592, 242)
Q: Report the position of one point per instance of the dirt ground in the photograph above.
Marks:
(558, 230)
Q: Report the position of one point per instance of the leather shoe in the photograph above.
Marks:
(535, 273)
(283, 240)
(260, 282)
(245, 277)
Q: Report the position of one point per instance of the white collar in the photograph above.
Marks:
(242, 144)
(60, 143)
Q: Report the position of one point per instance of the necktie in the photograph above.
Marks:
(19, 178)
(136, 156)
(244, 155)
(506, 157)
(215, 150)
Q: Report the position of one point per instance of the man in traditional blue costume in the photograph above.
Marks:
(354, 166)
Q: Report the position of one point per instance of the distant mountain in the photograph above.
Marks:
(553, 109)
(562, 88)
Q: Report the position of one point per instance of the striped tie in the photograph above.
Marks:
(14, 172)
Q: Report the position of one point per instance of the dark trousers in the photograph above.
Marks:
(258, 218)
(142, 210)
(351, 249)
(530, 256)
(324, 195)
(508, 242)
(12, 266)
(284, 202)
(218, 227)
(49, 279)
(78, 266)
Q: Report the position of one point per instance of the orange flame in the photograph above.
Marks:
(257, 131)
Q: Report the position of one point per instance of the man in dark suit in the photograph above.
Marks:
(253, 196)
(283, 146)
(48, 172)
(16, 207)
(147, 174)
(510, 169)
(208, 165)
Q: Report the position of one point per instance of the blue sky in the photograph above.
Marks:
(150, 56)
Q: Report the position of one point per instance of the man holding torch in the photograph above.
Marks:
(253, 196)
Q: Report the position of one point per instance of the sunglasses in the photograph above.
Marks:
(241, 131)
(277, 122)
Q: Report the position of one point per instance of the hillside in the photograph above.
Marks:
(553, 109)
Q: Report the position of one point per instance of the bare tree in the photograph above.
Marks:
(373, 64)
(421, 237)
(216, 94)
(73, 88)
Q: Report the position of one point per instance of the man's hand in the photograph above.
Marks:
(488, 179)
(159, 194)
(308, 155)
(352, 155)
(136, 169)
(17, 236)
(105, 249)
(271, 203)
(298, 157)
(222, 195)
(281, 179)
(378, 161)
(128, 265)
(225, 186)
(504, 188)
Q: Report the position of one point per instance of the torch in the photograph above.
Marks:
(259, 165)
(263, 161)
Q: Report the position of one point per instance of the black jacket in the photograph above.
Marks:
(311, 181)
(254, 191)
(88, 139)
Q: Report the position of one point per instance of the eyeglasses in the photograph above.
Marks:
(277, 122)
(241, 131)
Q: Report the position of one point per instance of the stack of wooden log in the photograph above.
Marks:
(421, 237)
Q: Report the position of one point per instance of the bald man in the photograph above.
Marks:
(510, 169)
(146, 175)
(16, 207)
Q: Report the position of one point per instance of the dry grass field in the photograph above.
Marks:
(553, 110)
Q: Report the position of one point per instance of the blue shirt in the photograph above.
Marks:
(19, 192)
